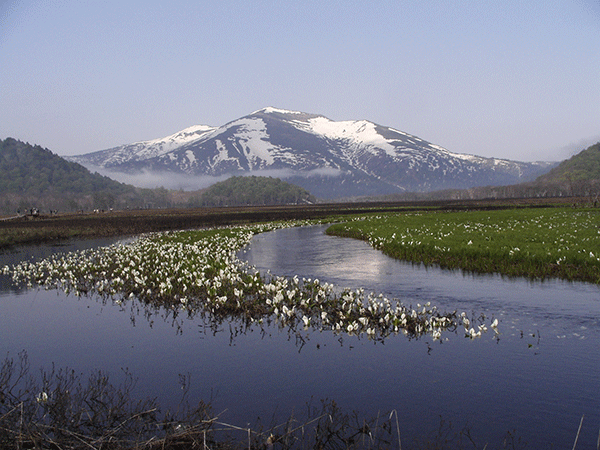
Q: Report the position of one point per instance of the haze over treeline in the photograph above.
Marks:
(34, 177)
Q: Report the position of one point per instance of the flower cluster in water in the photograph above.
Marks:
(198, 272)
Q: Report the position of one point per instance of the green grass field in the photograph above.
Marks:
(537, 243)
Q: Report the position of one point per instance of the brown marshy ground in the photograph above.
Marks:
(47, 228)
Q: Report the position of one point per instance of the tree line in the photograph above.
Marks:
(252, 190)
(34, 177)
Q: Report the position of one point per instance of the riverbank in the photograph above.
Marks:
(198, 277)
(535, 243)
(56, 227)
(320, 369)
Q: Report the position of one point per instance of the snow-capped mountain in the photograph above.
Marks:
(140, 151)
(330, 159)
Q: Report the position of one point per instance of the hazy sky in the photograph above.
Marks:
(518, 79)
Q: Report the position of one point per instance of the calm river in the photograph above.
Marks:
(536, 381)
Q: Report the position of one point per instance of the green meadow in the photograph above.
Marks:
(538, 243)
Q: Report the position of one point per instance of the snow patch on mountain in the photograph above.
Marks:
(329, 158)
(252, 135)
(223, 155)
(162, 146)
(360, 131)
(191, 157)
(270, 110)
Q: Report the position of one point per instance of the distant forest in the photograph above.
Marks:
(32, 177)
(578, 176)
(252, 190)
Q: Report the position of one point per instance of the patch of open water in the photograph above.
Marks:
(538, 379)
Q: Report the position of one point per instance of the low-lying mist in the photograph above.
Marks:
(186, 182)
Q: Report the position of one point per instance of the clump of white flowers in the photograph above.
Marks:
(42, 398)
(199, 272)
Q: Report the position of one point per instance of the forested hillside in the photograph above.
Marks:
(583, 166)
(34, 177)
(34, 170)
(252, 190)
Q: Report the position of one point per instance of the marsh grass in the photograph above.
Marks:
(53, 228)
(61, 409)
(198, 273)
(536, 243)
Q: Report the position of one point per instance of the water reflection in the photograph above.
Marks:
(541, 376)
(307, 251)
(537, 380)
(519, 303)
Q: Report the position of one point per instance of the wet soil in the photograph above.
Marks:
(47, 228)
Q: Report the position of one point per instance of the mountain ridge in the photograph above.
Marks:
(583, 166)
(329, 158)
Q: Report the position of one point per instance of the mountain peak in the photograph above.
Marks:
(272, 110)
(329, 158)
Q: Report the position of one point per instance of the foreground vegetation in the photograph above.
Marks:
(537, 243)
(197, 273)
(65, 410)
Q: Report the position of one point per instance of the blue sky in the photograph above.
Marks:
(512, 79)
